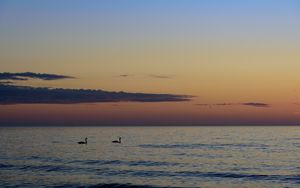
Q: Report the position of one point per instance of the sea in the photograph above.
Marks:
(204, 156)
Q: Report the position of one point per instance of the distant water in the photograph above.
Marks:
(150, 157)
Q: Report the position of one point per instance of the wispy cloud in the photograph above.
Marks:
(31, 75)
(124, 75)
(214, 104)
(6, 82)
(224, 104)
(11, 94)
(202, 104)
(156, 76)
(253, 104)
(256, 104)
(160, 76)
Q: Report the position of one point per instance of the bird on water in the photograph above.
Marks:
(117, 141)
(83, 142)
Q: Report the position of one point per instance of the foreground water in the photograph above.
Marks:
(150, 156)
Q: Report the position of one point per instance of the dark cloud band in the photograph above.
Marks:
(11, 94)
(28, 75)
(254, 104)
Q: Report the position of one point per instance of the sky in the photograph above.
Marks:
(226, 62)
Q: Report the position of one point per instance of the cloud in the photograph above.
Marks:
(256, 104)
(215, 104)
(27, 75)
(124, 75)
(6, 82)
(12, 94)
(160, 76)
(203, 104)
(253, 104)
(224, 104)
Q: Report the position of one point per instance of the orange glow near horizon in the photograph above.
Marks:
(212, 51)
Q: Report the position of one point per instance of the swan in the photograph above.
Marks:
(117, 141)
(81, 142)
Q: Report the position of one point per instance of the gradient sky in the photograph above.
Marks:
(219, 51)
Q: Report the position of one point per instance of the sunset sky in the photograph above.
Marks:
(240, 60)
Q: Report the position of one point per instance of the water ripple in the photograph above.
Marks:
(201, 146)
(127, 163)
(110, 185)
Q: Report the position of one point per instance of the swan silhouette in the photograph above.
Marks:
(83, 142)
(117, 141)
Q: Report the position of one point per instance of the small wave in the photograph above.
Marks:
(228, 175)
(5, 166)
(102, 162)
(284, 178)
(109, 185)
(205, 155)
(206, 146)
(127, 163)
(96, 162)
(152, 163)
(198, 174)
(294, 138)
(42, 159)
(116, 185)
(109, 172)
(170, 146)
(47, 168)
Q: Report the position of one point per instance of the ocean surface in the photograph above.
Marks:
(150, 157)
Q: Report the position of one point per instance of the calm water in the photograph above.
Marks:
(151, 156)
